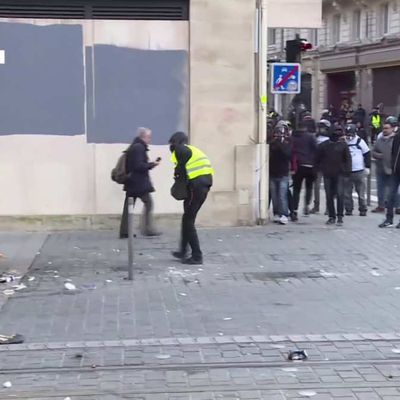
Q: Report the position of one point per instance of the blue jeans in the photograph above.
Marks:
(393, 195)
(384, 184)
(278, 188)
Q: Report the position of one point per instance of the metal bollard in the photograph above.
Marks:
(130, 238)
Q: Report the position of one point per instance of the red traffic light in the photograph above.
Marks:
(305, 46)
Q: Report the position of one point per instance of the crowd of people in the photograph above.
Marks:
(337, 150)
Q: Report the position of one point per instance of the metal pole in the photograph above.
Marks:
(130, 238)
(262, 112)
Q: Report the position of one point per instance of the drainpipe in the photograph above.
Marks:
(262, 112)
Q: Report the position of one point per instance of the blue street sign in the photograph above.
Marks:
(286, 78)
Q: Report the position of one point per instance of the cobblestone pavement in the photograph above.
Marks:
(221, 331)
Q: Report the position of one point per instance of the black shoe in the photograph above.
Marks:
(125, 236)
(152, 234)
(339, 221)
(306, 211)
(397, 211)
(192, 261)
(294, 217)
(386, 224)
(178, 254)
(349, 213)
(363, 213)
(314, 210)
(398, 226)
(331, 221)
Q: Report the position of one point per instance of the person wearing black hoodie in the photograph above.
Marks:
(138, 184)
(304, 151)
(395, 183)
(193, 179)
(333, 159)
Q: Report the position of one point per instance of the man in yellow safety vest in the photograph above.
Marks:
(193, 180)
(376, 124)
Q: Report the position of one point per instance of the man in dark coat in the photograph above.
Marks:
(138, 184)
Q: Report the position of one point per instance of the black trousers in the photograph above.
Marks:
(393, 194)
(197, 196)
(334, 187)
(307, 174)
(146, 225)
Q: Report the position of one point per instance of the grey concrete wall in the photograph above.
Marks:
(127, 88)
(42, 82)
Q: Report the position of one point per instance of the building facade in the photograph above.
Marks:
(78, 79)
(356, 57)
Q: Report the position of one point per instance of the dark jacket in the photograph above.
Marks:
(304, 148)
(280, 154)
(333, 159)
(138, 166)
(396, 155)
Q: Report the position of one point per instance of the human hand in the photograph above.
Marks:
(367, 171)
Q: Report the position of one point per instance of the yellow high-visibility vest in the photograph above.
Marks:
(376, 121)
(197, 165)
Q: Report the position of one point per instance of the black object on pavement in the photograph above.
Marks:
(298, 355)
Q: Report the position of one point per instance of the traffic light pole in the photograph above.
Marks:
(262, 111)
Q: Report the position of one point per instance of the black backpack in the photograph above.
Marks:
(118, 173)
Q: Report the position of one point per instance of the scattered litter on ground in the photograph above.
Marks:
(200, 269)
(78, 355)
(397, 351)
(7, 384)
(21, 286)
(50, 263)
(227, 319)
(68, 280)
(297, 355)
(56, 276)
(68, 398)
(38, 253)
(8, 292)
(182, 294)
(13, 339)
(31, 278)
(375, 273)
(397, 288)
(278, 346)
(220, 240)
(77, 248)
(289, 369)
(108, 280)
(69, 286)
(7, 278)
(220, 333)
(94, 366)
(90, 286)
(307, 393)
(163, 356)
(262, 266)
(326, 274)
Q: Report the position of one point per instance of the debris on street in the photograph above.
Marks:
(297, 355)
(69, 286)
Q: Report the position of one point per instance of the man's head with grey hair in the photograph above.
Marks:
(144, 134)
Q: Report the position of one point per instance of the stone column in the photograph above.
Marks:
(223, 103)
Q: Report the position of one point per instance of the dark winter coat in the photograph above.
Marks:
(138, 167)
(279, 158)
(304, 148)
(333, 158)
(396, 155)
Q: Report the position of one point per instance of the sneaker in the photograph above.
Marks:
(283, 220)
(339, 221)
(178, 254)
(276, 219)
(386, 224)
(306, 211)
(314, 210)
(363, 213)
(397, 211)
(293, 216)
(326, 212)
(398, 226)
(349, 213)
(379, 210)
(331, 221)
(192, 261)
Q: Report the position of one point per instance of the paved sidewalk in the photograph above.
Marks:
(220, 331)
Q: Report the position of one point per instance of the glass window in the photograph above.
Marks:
(356, 27)
(271, 37)
(336, 29)
(313, 37)
(384, 19)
